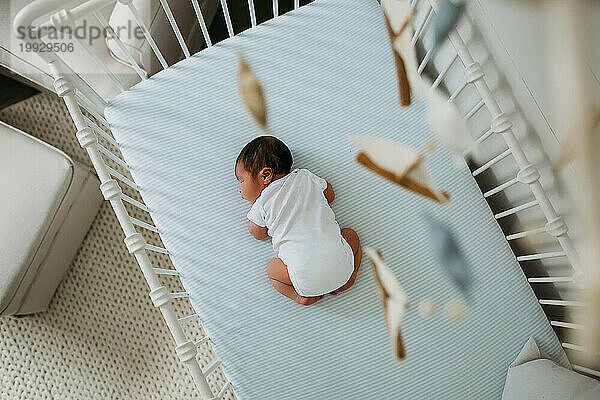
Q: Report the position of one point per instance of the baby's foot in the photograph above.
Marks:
(307, 301)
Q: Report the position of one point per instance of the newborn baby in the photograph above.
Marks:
(313, 256)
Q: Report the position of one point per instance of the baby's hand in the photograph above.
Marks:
(259, 232)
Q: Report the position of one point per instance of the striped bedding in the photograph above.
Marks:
(328, 72)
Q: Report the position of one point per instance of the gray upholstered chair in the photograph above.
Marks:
(47, 204)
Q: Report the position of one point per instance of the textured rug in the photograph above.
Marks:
(101, 337)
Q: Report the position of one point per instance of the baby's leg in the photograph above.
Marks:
(354, 242)
(278, 274)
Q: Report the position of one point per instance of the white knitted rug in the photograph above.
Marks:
(101, 338)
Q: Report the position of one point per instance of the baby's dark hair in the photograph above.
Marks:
(266, 151)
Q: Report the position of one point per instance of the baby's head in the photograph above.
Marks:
(260, 162)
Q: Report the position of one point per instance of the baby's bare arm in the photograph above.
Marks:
(328, 192)
(259, 232)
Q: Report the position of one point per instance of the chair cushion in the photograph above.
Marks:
(34, 179)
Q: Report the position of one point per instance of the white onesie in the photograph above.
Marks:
(305, 233)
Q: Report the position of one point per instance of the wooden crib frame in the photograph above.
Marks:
(92, 132)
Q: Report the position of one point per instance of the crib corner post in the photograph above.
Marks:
(62, 84)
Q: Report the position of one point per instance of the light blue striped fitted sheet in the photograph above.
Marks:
(328, 72)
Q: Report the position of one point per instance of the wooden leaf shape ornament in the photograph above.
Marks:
(393, 298)
(398, 163)
(398, 15)
(252, 94)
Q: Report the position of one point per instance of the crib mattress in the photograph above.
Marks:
(328, 72)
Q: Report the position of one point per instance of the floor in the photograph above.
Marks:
(12, 90)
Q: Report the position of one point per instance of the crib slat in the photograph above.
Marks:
(585, 370)
(180, 295)
(202, 22)
(156, 249)
(119, 42)
(224, 390)
(275, 8)
(457, 91)
(188, 318)
(442, 74)
(486, 135)
(147, 35)
(563, 303)
(123, 178)
(516, 209)
(83, 103)
(421, 27)
(212, 367)
(101, 131)
(568, 325)
(541, 256)
(493, 161)
(200, 342)
(88, 49)
(252, 12)
(425, 61)
(227, 17)
(175, 27)
(576, 347)
(165, 271)
(112, 156)
(134, 202)
(296, 4)
(475, 108)
(501, 187)
(143, 224)
(551, 279)
(520, 235)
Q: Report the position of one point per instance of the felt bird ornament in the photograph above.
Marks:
(393, 298)
(252, 94)
(447, 16)
(398, 163)
(449, 126)
(398, 15)
(449, 257)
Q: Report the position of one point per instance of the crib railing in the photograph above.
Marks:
(86, 107)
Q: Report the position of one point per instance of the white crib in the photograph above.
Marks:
(86, 107)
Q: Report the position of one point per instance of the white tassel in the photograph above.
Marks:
(450, 127)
